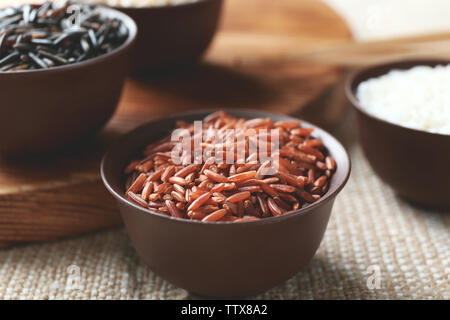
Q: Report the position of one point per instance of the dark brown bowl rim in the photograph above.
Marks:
(132, 34)
(163, 8)
(274, 219)
(350, 83)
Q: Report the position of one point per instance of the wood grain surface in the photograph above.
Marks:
(46, 198)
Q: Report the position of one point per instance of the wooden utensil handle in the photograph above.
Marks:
(340, 54)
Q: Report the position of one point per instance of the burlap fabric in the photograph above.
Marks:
(371, 229)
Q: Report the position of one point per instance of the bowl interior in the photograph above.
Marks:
(132, 143)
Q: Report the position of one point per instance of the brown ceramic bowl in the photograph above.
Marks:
(171, 36)
(45, 109)
(221, 259)
(415, 163)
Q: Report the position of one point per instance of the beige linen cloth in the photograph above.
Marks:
(372, 235)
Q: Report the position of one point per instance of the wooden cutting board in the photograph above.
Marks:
(54, 198)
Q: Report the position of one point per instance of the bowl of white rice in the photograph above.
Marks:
(171, 33)
(403, 115)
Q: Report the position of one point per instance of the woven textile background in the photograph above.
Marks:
(370, 226)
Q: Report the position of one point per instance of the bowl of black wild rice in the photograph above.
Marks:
(62, 68)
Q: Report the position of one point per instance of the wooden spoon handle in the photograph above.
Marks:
(268, 48)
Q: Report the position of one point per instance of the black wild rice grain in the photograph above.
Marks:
(44, 36)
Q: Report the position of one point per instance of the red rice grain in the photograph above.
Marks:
(331, 163)
(283, 187)
(215, 176)
(242, 176)
(131, 167)
(216, 215)
(178, 196)
(237, 197)
(269, 190)
(263, 205)
(147, 190)
(168, 172)
(136, 199)
(138, 183)
(173, 210)
(178, 180)
(197, 203)
(273, 207)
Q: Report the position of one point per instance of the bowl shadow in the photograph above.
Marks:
(210, 84)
